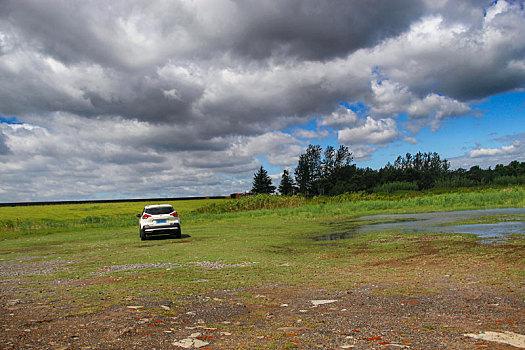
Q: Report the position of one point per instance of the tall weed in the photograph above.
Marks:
(258, 202)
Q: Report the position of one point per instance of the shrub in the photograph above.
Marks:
(257, 202)
(509, 180)
(391, 187)
(455, 183)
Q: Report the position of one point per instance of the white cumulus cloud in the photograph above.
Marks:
(372, 131)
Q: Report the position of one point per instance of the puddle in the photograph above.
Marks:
(491, 232)
(337, 235)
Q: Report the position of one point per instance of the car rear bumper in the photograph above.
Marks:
(162, 228)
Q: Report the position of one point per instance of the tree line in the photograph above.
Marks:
(330, 172)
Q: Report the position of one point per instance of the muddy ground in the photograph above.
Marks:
(273, 316)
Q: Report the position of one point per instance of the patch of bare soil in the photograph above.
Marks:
(273, 316)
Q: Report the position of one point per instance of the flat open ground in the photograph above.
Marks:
(255, 280)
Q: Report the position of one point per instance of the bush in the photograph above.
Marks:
(455, 183)
(391, 187)
(509, 180)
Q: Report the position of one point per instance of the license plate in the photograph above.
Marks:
(161, 221)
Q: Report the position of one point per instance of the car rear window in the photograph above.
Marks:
(159, 210)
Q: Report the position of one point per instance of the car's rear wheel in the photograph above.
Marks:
(142, 235)
(177, 234)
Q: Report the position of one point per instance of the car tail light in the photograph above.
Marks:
(145, 216)
(174, 214)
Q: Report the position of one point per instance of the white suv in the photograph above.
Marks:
(159, 219)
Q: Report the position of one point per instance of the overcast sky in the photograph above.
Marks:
(133, 99)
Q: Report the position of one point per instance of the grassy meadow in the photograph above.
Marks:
(257, 241)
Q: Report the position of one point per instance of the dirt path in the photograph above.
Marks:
(274, 316)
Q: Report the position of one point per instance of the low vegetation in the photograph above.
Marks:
(48, 219)
(240, 261)
(363, 203)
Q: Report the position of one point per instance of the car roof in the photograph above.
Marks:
(157, 206)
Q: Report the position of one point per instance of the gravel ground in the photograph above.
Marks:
(23, 267)
(273, 316)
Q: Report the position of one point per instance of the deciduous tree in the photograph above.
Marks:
(309, 170)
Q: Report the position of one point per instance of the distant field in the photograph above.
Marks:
(236, 266)
(80, 211)
(44, 219)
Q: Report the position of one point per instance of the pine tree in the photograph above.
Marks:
(262, 183)
(287, 185)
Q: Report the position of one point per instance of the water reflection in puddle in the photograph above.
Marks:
(508, 221)
(337, 235)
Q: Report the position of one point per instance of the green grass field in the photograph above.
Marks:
(85, 264)
(275, 245)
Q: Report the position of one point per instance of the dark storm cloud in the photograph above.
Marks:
(258, 29)
(71, 32)
(478, 84)
(319, 30)
(148, 104)
(195, 92)
(169, 61)
(128, 41)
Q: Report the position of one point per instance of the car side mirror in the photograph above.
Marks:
(139, 215)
